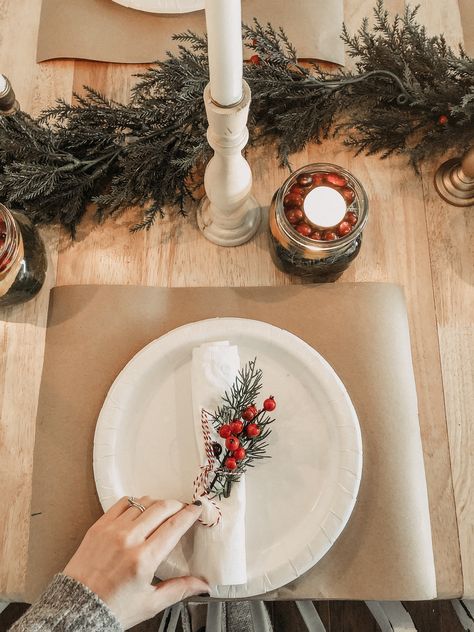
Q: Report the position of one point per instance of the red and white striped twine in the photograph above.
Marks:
(201, 482)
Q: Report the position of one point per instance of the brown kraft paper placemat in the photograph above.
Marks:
(105, 31)
(466, 7)
(385, 552)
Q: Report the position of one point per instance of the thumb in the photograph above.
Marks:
(173, 590)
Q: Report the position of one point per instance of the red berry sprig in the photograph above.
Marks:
(242, 427)
(247, 431)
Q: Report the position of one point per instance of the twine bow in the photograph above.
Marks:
(201, 482)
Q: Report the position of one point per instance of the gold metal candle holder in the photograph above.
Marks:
(454, 180)
(8, 103)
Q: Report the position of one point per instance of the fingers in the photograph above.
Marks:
(155, 515)
(132, 512)
(173, 590)
(167, 536)
(116, 510)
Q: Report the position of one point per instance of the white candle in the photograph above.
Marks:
(3, 84)
(324, 207)
(224, 35)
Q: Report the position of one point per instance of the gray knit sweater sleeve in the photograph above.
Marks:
(66, 606)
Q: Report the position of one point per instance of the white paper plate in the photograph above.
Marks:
(298, 502)
(163, 6)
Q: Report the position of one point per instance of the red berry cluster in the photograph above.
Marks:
(294, 210)
(242, 431)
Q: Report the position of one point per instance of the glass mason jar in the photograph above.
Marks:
(300, 247)
(22, 258)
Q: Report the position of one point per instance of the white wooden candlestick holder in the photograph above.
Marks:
(228, 215)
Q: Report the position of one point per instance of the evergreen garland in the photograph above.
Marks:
(410, 94)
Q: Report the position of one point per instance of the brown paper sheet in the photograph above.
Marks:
(385, 551)
(105, 31)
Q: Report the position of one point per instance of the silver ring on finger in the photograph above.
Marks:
(133, 502)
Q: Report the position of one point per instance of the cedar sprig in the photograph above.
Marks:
(440, 82)
(243, 393)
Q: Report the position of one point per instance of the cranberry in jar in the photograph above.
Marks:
(316, 222)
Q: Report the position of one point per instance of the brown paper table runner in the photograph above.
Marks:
(106, 31)
(385, 551)
(466, 7)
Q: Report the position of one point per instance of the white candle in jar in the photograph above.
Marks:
(324, 207)
(3, 84)
(224, 35)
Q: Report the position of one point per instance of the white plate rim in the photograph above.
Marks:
(163, 6)
(105, 431)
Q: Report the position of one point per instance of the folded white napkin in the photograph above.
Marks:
(219, 551)
(215, 553)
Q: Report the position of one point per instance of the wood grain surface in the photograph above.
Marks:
(412, 238)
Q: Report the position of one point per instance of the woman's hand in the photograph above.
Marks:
(121, 551)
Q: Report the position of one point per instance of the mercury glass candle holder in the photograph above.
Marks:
(22, 258)
(299, 246)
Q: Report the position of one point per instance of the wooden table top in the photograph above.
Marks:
(412, 238)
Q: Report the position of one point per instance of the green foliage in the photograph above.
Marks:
(144, 154)
(404, 81)
(439, 82)
(150, 153)
(243, 393)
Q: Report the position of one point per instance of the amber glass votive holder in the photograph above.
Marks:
(300, 247)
